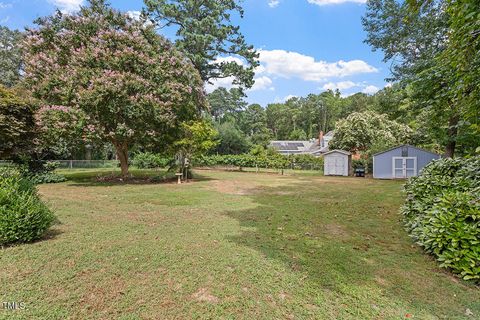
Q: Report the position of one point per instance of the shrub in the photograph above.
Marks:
(442, 214)
(39, 171)
(46, 174)
(148, 160)
(306, 162)
(47, 177)
(23, 216)
(261, 160)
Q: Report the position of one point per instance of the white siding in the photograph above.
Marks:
(336, 164)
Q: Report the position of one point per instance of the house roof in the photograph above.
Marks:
(317, 149)
(338, 151)
(405, 145)
(329, 134)
(297, 146)
(302, 146)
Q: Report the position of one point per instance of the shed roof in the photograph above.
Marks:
(339, 151)
(405, 145)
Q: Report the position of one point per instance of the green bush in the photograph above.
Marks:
(23, 216)
(39, 171)
(442, 213)
(261, 160)
(47, 177)
(46, 174)
(148, 160)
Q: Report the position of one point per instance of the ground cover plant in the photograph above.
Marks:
(229, 245)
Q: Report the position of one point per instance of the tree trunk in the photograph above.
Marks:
(122, 154)
(452, 136)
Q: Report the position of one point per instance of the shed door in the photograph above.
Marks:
(336, 165)
(404, 167)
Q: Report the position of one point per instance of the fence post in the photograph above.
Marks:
(71, 164)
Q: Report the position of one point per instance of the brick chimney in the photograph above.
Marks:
(320, 139)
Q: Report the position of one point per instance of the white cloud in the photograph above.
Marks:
(4, 5)
(67, 5)
(342, 85)
(5, 20)
(388, 85)
(134, 14)
(345, 85)
(328, 2)
(370, 89)
(285, 99)
(288, 64)
(273, 3)
(239, 61)
(217, 83)
(262, 83)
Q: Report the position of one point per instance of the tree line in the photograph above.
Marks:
(103, 82)
(82, 80)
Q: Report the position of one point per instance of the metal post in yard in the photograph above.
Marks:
(71, 164)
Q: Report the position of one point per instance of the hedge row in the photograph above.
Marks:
(272, 161)
(442, 214)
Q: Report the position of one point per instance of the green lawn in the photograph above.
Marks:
(231, 246)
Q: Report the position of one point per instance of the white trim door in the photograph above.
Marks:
(335, 165)
(404, 167)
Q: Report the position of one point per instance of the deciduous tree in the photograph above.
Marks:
(361, 132)
(10, 56)
(17, 124)
(132, 85)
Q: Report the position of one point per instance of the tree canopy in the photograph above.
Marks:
(17, 124)
(205, 33)
(10, 56)
(131, 84)
(432, 46)
(367, 131)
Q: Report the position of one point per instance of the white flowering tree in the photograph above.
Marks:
(365, 131)
(128, 83)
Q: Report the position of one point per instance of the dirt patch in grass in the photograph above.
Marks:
(204, 295)
(235, 187)
(335, 231)
(303, 247)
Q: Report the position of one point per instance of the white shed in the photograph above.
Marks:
(337, 163)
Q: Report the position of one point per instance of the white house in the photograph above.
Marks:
(316, 147)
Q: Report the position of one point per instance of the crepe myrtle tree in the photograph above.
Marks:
(131, 84)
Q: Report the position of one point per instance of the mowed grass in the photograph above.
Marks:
(229, 246)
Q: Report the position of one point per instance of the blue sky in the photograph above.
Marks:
(306, 46)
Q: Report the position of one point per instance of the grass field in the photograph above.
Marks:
(229, 246)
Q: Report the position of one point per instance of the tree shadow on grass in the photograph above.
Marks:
(345, 242)
(293, 238)
(51, 234)
(96, 179)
